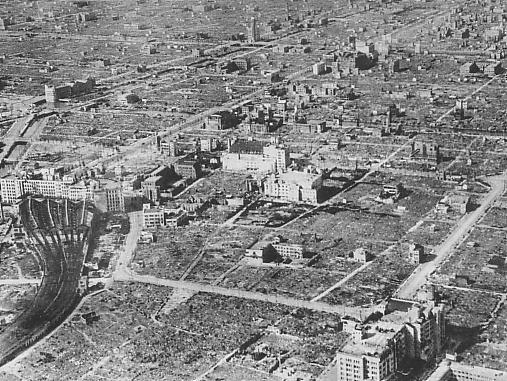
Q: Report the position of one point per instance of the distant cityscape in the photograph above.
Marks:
(301, 190)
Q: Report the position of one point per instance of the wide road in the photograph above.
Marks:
(126, 256)
(357, 312)
(13, 134)
(419, 277)
(123, 273)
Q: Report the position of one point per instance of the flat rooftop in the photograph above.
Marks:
(247, 146)
(375, 339)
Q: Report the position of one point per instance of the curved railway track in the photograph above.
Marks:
(59, 230)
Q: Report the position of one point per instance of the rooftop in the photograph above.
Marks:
(376, 338)
(297, 177)
(247, 146)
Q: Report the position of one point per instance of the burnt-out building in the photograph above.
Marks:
(188, 168)
(427, 151)
(221, 120)
(157, 181)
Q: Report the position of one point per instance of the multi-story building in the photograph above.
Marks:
(459, 203)
(54, 93)
(209, 145)
(375, 352)
(294, 186)
(272, 248)
(221, 120)
(319, 68)
(312, 127)
(148, 49)
(390, 193)
(361, 255)
(13, 188)
(372, 354)
(85, 16)
(4, 23)
(280, 154)
(427, 151)
(157, 181)
(170, 148)
(188, 168)
(291, 251)
(253, 31)
(255, 156)
(242, 63)
(415, 253)
(453, 371)
(152, 217)
(151, 188)
(163, 217)
(115, 201)
(426, 331)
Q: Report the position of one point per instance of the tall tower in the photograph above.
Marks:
(253, 31)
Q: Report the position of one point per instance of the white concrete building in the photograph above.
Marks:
(12, 188)
(294, 186)
(252, 156)
(376, 351)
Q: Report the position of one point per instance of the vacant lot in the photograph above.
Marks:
(173, 251)
(375, 283)
(480, 261)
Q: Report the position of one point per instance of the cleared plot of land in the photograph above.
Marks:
(233, 372)
(467, 309)
(479, 262)
(304, 342)
(173, 251)
(105, 322)
(374, 283)
(219, 184)
(320, 333)
(18, 261)
(13, 301)
(216, 249)
(304, 283)
(88, 127)
(333, 254)
(127, 332)
(301, 282)
(496, 217)
(271, 214)
(342, 223)
(491, 350)
(68, 153)
(429, 233)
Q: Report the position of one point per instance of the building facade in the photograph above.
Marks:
(253, 31)
(453, 371)
(188, 168)
(254, 156)
(163, 217)
(290, 251)
(294, 186)
(377, 351)
(12, 188)
(115, 201)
